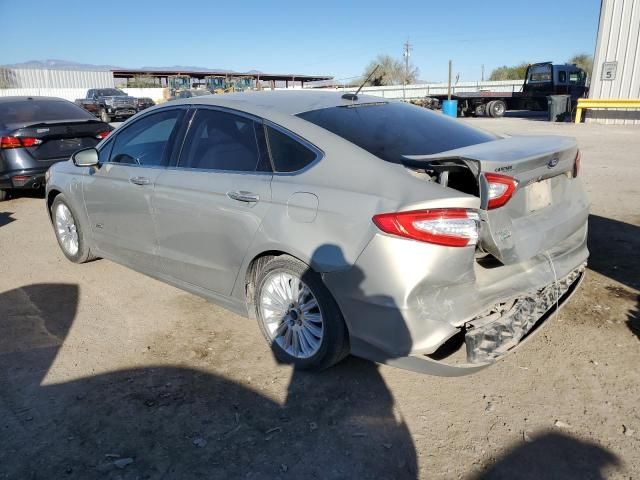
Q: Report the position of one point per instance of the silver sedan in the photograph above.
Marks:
(343, 224)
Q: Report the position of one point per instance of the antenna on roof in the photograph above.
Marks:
(354, 96)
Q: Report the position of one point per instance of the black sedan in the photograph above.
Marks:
(36, 132)
(144, 102)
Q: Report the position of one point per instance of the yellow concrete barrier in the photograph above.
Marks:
(604, 103)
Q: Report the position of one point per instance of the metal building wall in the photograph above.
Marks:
(619, 42)
(46, 78)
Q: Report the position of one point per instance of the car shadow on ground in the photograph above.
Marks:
(176, 422)
(6, 218)
(552, 455)
(614, 247)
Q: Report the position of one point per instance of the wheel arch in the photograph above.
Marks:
(253, 267)
(51, 196)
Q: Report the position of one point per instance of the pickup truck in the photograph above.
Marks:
(108, 103)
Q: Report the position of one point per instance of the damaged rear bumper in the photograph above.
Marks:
(498, 330)
(488, 341)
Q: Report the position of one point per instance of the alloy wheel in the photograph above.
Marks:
(291, 314)
(66, 229)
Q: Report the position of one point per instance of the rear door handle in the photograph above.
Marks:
(139, 180)
(243, 196)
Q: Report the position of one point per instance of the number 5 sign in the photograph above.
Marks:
(609, 70)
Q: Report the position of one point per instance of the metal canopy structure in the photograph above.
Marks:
(199, 75)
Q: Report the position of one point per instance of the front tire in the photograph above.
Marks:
(69, 233)
(104, 116)
(298, 316)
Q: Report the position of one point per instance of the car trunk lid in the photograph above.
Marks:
(547, 206)
(61, 138)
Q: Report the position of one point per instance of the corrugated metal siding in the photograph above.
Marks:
(45, 78)
(618, 41)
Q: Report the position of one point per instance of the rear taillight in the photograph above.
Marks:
(453, 227)
(576, 165)
(18, 142)
(500, 189)
(104, 134)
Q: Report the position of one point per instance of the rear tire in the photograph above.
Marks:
(488, 109)
(498, 108)
(69, 232)
(104, 116)
(4, 195)
(298, 316)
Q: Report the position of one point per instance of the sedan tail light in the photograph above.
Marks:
(18, 142)
(500, 188)
(104, 134)
(453, 227)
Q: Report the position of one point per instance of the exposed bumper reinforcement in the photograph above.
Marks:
(492, 334)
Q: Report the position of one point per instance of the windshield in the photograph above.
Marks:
(540, 73)
(31, 111)
(391, 130)
(111, 92)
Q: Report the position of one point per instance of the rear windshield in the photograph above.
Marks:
(29, 111)
(391, 130)
(111, 92)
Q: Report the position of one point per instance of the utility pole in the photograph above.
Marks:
(449, 83)
(482, 76)
(406, 53)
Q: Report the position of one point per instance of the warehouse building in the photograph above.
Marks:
(616, 63)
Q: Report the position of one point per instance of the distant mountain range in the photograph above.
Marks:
(54, 64)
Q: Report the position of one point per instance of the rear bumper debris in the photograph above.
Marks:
(493, 333)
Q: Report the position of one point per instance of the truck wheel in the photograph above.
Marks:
(104, 116)
(488, 109)
(498, 107)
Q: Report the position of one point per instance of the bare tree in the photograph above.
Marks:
(584, 61)
(391, 72)
(7, 78)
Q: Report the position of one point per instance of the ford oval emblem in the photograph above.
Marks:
(554, 160)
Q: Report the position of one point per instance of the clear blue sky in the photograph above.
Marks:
(311, 37)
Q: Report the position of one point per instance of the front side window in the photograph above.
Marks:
(144, 142)
(221, 141)
(288, 154)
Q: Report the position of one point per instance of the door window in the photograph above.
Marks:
(144, 142)
(288, 154)
(222, 141)
(562, 77)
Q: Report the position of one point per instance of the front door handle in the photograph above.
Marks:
(139, 180)
(243, 196)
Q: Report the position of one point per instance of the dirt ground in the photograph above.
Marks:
(105, 373)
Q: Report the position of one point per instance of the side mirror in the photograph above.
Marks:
(87, 157)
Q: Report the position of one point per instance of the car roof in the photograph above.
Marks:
(31, 97)
(288, 102)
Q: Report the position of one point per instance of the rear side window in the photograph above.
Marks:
(391, 130)
(30, 111)
(144, 141)
(221, 141)
(288, 154)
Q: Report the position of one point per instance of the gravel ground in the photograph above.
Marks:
(105, 373)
